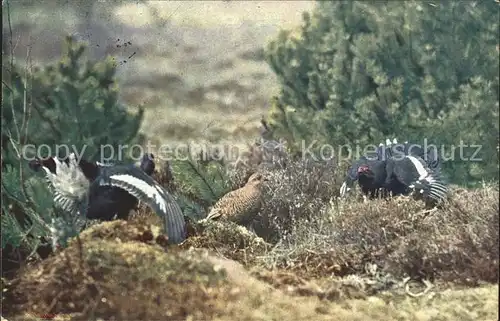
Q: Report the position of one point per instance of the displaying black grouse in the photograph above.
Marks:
(110, 202)
(413, 173)
(403, 169)
(106, 191)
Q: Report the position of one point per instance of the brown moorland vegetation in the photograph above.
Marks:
(348, 258)
(314, 256)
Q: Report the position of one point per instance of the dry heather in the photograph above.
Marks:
(297, 188)
(318, 256)
(119, 272)
(456, 244)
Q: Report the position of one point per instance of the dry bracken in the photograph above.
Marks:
(241, 205)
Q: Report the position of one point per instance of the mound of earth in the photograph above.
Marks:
(117, 271)
(229, 240)
(122, 271)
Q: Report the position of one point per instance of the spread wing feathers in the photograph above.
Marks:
(413, 172)
(136, 182)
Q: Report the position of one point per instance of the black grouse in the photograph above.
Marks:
(370, 174)
(374, 179)
(106, 191)
(413, 173)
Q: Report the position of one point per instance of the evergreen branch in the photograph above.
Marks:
(22, 205)
(196, 170)
(10, 194)
(48, 120)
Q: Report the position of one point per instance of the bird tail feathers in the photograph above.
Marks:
(433, 186)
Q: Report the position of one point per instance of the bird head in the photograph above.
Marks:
(365, 170)
(148, 163)
(48, 164)
(353, 174)
(257, 178)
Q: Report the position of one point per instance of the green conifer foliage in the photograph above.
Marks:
(202, 181)
(74, 103)
(358, 72)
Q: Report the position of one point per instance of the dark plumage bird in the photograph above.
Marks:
(106, 191)
(412, 173)
(370, 174)
(369, 170)
(109, 202)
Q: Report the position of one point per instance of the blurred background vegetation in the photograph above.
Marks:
(342, 72)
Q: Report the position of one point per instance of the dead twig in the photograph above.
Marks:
(11, 64)
(21, 131)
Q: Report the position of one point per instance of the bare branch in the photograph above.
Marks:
(11, 63)
(8, 87)
(20, 140)
(13, 143)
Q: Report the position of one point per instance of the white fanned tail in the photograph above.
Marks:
(69, 184)
(431, 179)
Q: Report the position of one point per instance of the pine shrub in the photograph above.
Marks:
(71, 103)
(357, 72)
